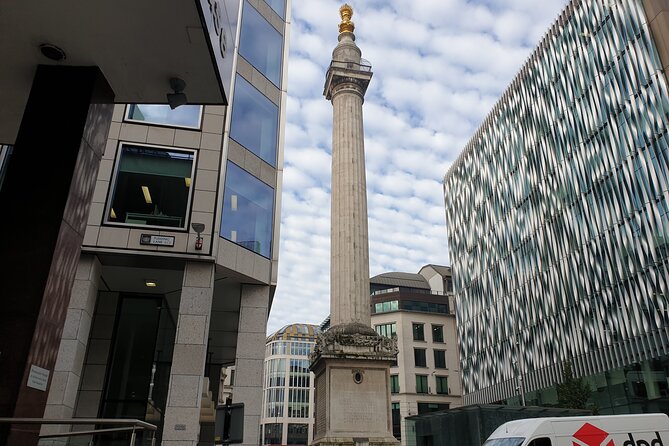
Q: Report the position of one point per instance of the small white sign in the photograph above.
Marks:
(160, 240)
(38, 378)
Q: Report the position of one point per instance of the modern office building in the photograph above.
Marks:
(179, 251)
(65, 65)
(558, 217)
(418, 310)
(288, 387)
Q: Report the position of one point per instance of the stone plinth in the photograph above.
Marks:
(351, 363)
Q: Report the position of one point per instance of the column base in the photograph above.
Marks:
(356, 441)
(351, 364)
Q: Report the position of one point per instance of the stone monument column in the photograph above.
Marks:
(351, 362)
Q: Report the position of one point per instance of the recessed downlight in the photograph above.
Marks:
(52, 52)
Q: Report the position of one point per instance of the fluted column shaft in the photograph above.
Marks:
(349, 268)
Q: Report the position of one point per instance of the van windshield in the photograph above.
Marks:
(509, 441)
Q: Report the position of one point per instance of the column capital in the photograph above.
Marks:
(337, 75)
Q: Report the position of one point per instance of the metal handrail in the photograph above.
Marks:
(132, 425)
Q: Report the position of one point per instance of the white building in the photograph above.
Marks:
(288, 388)
(419, 310)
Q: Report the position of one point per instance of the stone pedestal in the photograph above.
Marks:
(351, 363)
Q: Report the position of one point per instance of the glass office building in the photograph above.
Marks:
(288, 389)
(558, 218)
(179, 258)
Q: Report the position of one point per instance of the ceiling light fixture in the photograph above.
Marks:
(187, 181)
(151, 283)
(52, 52)
(147, 194)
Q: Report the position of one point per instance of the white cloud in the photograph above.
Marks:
(439, 67)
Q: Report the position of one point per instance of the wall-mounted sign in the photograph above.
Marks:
(38, 378)
(157, 240)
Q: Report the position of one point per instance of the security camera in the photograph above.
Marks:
(178, 97)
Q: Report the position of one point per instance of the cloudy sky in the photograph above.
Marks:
(439, 67)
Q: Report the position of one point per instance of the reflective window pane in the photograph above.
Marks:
(273, 433)
(184, 116)
(418, 332)
(279, 6)
(152, 187)
(421, 383)
(261, 44)
(248, 209)
(298, 434)
(419, 357)
(255, 121)
(442, 385)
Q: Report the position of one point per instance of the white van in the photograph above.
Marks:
(604, 430)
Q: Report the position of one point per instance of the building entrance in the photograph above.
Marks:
(140, 361)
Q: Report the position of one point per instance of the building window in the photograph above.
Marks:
(299, 373)
(424, 307)
(298, 434)
(152, 187)
(421, 384)
(274, 399)
(419, 357)
(273, 433)
(279, 6)
(248, 210)
(418, 332)
(275, 372)
(384, 307)
(394, 384)
(301, 348)
(440, 359)
(442, 385)
(261, 44)
(437, 333)
(431, 407)
(278, 348)
(188, 116)
(255, 121)
(298, 403)
(395, 412)
(387, 330)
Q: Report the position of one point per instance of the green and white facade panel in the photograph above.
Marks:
(558, 217)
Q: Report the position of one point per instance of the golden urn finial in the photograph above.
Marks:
(346, 12)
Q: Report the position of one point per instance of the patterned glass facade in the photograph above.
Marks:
(557, 213)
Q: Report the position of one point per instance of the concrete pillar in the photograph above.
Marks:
(182, 413)
(74, 340)
(345, 87)
(97, 357)
(247, 389)
(45, 200)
